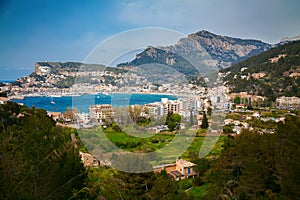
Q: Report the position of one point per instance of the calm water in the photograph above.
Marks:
(83, 102)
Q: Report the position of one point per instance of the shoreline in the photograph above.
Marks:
(21, 97)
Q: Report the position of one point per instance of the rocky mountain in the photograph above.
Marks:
(272, 73)
(202, 52)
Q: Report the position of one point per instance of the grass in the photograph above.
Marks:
(213, 143)
(185, 184)
(197, 192)
(137, 144)
(165, 147)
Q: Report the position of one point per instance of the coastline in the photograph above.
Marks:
(21, 97)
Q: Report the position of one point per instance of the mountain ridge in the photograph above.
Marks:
(204, 50)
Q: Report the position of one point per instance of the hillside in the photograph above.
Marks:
(43, 68)
(202, 51)
(156, 55)
(272, 73)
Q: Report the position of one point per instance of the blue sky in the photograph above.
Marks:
(35, 30)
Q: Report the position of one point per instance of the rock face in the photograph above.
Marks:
(203, 51)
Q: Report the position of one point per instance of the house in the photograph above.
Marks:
(258, 75)
(182, 169)
(290, 103)
(55, 115)
(88, 160)
(168, 168)
(276, 59)
(256, 115)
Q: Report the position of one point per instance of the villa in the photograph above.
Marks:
(182, 169)
(89, 160)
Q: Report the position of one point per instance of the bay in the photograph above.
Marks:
(83, 102)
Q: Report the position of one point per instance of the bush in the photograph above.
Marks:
(198, 181)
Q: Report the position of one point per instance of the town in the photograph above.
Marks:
(195, 105)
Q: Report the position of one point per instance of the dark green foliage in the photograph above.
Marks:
(227, 129)
(202, 165)
(66, 83)
(3, 94)
(288, 160)
(209, 111)
(237, 100)
(143, 121)
(37, 159)
(255, 166)
(127, 186)
(116, 127)
(173, 121)
(204, 124)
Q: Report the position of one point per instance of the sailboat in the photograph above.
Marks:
(52, 101)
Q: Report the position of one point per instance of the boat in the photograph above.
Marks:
(52, 101)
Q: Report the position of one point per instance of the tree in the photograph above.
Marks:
(209, 111)
(70, 114)
(37, 159)
(135, 112)
(288, 159)
(204, 124)
(255, 166)
(191, 118)
(237, 100)
(173, 121)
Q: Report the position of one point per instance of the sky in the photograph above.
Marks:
(68, 30)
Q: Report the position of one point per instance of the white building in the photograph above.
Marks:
(101, 112)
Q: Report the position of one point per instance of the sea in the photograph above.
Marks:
(6, 81)
(82, 103)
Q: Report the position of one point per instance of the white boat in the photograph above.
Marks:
(52, 101)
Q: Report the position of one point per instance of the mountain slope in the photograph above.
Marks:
(203, 51)
(272, 73)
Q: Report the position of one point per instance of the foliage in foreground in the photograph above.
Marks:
(255, 166)
(37, 158)
(38, 161)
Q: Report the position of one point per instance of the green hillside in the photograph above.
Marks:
(279, 68)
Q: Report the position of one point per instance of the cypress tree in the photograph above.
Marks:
(204, 124)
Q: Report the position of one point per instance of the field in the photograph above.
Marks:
(166, 147)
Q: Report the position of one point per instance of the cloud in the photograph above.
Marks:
(111, 49)
(267, 20)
